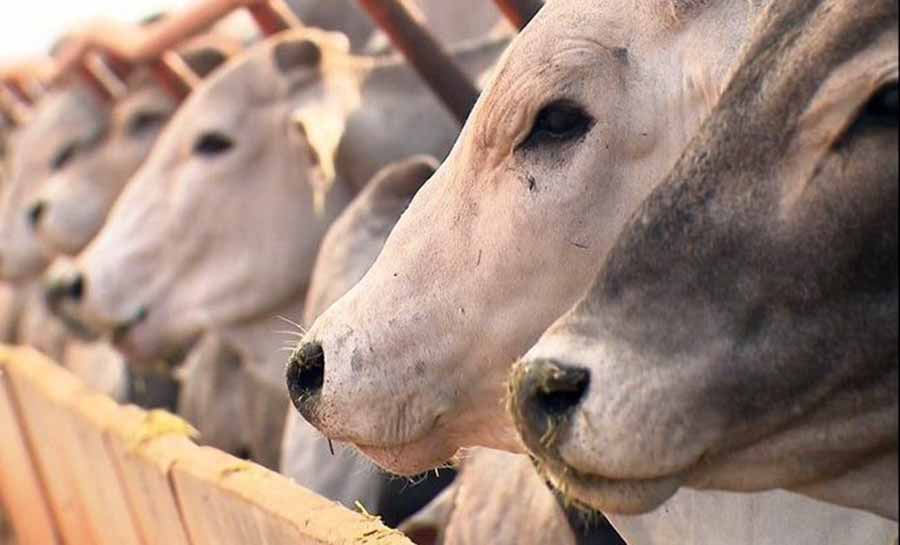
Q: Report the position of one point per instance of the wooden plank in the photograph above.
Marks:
(226, 501)
(146, 446)
(97, 471)
(22, 491)
(42, 390)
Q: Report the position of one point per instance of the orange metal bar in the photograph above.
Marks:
(426, 55)
(520, 12)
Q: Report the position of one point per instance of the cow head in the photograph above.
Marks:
(590, 107)
(221, 223)
(63, 125)
(742, 335)
(71, 208)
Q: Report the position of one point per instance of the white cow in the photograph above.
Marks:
(347, 252)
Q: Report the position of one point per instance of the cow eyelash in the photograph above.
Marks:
(213, 143)
(558, 122)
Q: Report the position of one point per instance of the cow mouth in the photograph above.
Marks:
(121, 334)
(609, 495)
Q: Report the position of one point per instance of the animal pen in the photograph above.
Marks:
(80, 469)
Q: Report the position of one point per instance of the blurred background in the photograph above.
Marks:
(31, 26)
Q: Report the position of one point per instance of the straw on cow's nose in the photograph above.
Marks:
(306, 376)
(546, 393)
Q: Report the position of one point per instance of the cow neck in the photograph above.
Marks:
(260, 341)
(12, 314)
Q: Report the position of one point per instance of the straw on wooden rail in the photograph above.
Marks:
(445, 78)
(520, 12)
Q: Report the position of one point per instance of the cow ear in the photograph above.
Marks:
(204, 60)
(405, 178)
(295, 54)
(322, 133)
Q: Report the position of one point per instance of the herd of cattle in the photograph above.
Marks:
(653, 274)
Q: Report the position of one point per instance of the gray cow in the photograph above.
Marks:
(742, 335)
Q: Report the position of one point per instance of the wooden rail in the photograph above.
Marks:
(78, 469)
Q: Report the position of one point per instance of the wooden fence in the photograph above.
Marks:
(78, 469)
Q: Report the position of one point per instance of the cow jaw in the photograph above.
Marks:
(509, 232)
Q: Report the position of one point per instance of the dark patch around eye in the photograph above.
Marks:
(880, 112)
(558, 122)
(142, 122)
(883, 107)
(213, 143)
(64, 156)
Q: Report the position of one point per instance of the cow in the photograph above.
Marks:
(63, 120)
(590, 108)
(346, 253)
(72, 159)
(498, 498)
(232, 408)
(453, 299)
(742, 335)
(488, 479)
(75, 153)
(72, 205)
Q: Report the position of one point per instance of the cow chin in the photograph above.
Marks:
(410, 459)
(623, 497)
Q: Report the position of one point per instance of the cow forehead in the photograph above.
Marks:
(567, 46)
(62, 115)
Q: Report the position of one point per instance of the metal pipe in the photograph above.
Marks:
(433, 64)
(520, 12)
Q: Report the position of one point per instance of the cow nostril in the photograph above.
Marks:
(552, 389)
(561, 389)
(36, 212)
(74, 288)
(306, 373)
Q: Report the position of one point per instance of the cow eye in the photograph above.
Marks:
(558, 122)
(144, 121)
(883, 106)
(64, 156)
(213, 143)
